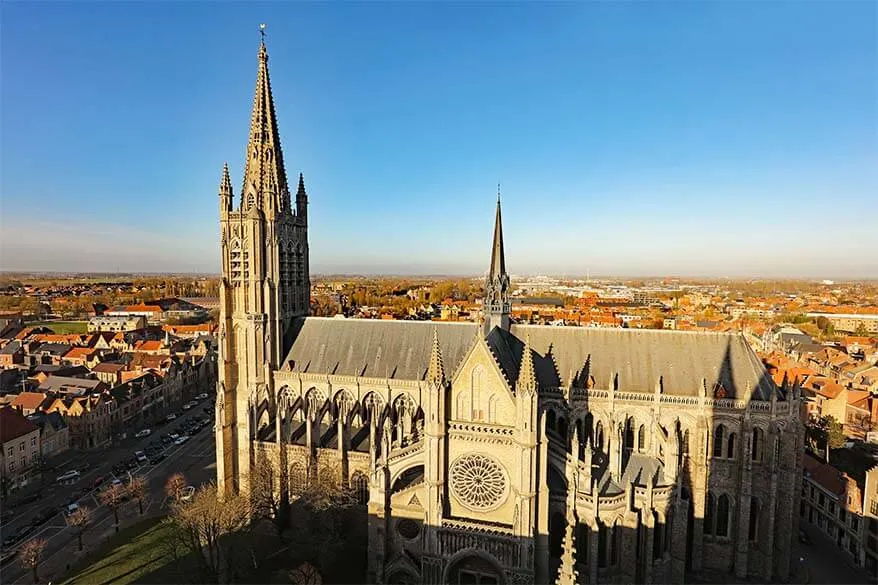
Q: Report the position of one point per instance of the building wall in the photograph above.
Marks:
(19, 455)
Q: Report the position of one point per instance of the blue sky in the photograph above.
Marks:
(662, 138)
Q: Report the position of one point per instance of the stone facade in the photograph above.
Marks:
(502, 453)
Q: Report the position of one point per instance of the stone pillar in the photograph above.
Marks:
(593, 548)
(648, 528)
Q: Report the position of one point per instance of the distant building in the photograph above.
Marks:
(850, 322)
(116, 323)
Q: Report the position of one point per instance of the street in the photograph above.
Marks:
(194, 458)
(825, 563)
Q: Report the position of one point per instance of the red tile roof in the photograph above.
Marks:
(13, 424)
(825, 475)
(28, 400)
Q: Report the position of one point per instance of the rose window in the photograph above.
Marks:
(478, 482)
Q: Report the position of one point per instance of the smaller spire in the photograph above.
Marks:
(300, 192)
(527, 377)
(301, 198)
(436, 369)
(226, 182)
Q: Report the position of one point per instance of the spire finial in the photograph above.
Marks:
(498, 192)
(262, 31)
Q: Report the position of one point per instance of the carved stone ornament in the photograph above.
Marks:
(479, 482)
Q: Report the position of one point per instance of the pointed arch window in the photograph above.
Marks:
(658, 536)
(753, 532)
(641, 439)
(686, 442)
(709, 514)
(723, 511)
(756, 446)
(718, 437)
(730, 446)
(599, 436)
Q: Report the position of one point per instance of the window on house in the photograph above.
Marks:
(821, 501)
(33, 441)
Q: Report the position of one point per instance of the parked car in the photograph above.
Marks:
(188, 492)
(70, 476)
(181, 440)
(140, 456)
(143, 433)
(201, 396)
(171, 416)
(7, 556)
(44, 515)
(29, 499)
(71, 508)
(156, 458)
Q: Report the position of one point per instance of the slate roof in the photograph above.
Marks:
(684, 360)
(375, 348)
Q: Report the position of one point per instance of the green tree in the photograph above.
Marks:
(861, 330)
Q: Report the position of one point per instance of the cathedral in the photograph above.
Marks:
(497, 453)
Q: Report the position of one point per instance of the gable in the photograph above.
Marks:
(480, 391)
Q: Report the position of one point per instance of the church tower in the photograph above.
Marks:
(496, 308)
(265, 284)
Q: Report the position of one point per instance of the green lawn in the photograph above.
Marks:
(62, 327)
(126, 557)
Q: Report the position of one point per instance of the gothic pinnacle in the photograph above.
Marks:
(436, 369)
(527, 378)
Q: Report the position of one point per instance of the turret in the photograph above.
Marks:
(225, 192)
(302, 200)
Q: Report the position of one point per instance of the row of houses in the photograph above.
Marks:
(99, 386)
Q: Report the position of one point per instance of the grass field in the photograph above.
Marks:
(62, 327)
(126, 557)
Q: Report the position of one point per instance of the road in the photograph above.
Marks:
(824, 563)
(195, 459)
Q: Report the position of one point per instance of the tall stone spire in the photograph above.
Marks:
(265, 179)
(436, 369)
(496, 306)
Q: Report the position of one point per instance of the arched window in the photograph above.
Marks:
(492, 408)
(686, 442)
(756, 447)
(562, 427)
(723, 506)
(462, 406)
(718, 436)
(641, 439)
(730, 446)
(629, 435)
(550, 420)
(599, 436)
(298, 478)
(658, 536)
(360, 486)
(709, 514)
(753, 532)
(615, 537)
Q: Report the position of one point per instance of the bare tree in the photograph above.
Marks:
(269, 493)
(175, 487)
(80, 520)
(113, 497)
(206, 524)
(30, 555)
(306, 574)
(137, 490)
